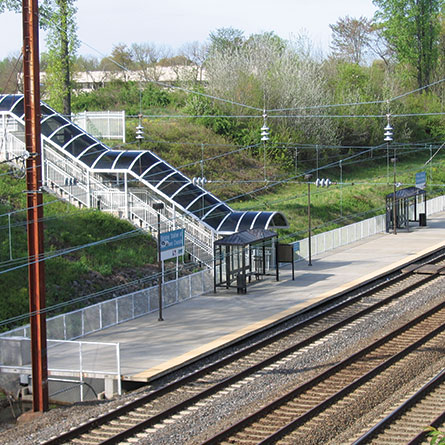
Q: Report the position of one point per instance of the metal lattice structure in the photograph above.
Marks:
(82, 169)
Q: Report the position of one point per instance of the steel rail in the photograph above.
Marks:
(105, 418)
(423, 435)
(404, 407)
(241, 375)
(328, 373)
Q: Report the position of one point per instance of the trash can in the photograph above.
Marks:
(422, 219)
(241, 287)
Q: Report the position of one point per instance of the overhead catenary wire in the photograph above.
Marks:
(25, 209)
(354, 104)
(165, 85)
(254, 116)
(291, 116)
(248, 106)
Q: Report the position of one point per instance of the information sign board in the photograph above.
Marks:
(172, 244)
(421, 180)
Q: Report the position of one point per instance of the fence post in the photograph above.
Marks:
(88, 190)
(108, 125)
(127, 209)
(64, 327)
(118, 362)
(124, 140)
(81, 372)
(202, 281)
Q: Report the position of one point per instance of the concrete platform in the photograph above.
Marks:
(192, 329)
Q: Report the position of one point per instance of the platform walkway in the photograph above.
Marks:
(150, 348)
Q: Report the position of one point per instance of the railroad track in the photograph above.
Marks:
(154, 408)
(406, 424)
(297, 415)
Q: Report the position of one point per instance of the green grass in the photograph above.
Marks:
(174, 140)
(361, 196)
(85, 271)
(70, 275)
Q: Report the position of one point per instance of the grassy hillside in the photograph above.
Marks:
(74, 274)
(361, 196)
(225, 165)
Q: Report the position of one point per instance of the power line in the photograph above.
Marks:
(29, 208)
(199, 116)
(417, 90)
(316, 107)
(349, 116)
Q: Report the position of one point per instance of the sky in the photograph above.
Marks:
(172, 23)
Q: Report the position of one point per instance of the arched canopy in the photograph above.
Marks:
(146, 167)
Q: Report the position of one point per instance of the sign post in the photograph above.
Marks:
(158, 206)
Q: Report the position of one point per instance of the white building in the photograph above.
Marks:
(87, 81)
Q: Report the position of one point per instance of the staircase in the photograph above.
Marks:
(126, 183)
(64, 178)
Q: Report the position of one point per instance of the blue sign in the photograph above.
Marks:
(171, 244)
(421, 180)
(296, 246)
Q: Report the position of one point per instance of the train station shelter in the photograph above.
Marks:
(410, 206)
(241, 256)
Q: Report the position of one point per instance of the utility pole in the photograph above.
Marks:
(36, 267)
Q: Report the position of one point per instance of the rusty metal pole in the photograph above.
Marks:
(36, 271)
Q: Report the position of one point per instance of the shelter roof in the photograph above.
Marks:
(246, 237)
(407, 192)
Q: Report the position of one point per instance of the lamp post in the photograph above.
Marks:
(158, 206)
(308, 177)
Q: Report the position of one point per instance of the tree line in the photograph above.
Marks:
(401, 48)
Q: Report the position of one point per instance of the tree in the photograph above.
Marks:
(62, 45)
(10, 68)
(226, 40)
(350, 38)
(412, 28)
(86, 63)
(146, 58)
(57, 16)
(267, 71)
(120, 60)
(378, 45)
(197, 53)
